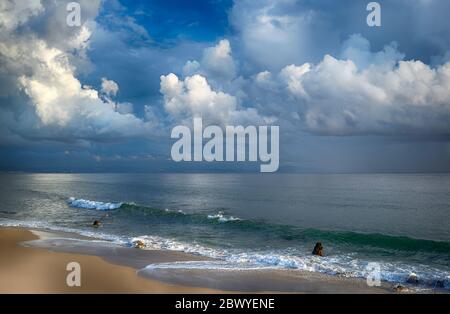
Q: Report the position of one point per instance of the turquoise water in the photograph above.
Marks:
(401, 222)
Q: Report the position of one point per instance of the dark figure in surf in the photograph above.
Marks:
(318, 249)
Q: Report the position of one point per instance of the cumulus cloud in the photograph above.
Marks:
(359, 91)
(285, 60)
(61, 102)
(358, 49)
(217, 64)
(13, 14)
(383, 95)
(201, 93)
(194, 97)
(109, 87)
(314, 82)
(191, 67)
(40, 64)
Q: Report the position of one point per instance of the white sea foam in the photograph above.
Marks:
(346, 265)
(87, 204)
(223, 218)
(49, 227)
(208, 265)
(179, 211)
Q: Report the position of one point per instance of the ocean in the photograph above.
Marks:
(253, 221)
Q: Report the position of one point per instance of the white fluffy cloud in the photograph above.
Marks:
(359, 92)
(350, 90)
(194, 97)
(217, 63)
(61, 102)
(41, 66)
(200, 93)
(380, 96)
(109, 87)
(357, 48)
(15, 13)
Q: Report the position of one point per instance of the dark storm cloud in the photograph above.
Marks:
(299, 31)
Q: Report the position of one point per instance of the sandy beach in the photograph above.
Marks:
(30, 270)
(215, 147)
(26, 267)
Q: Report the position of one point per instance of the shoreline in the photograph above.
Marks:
(34, 261)
(32, 270)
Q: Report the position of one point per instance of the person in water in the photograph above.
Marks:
(318, 249)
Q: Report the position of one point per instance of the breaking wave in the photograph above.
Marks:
(87, 204)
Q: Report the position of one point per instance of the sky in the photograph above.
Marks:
(105, 95)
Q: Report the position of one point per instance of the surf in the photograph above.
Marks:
(281, 231)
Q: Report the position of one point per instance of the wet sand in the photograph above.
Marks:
(31, 270)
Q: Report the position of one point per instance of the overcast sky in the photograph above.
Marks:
(104, 96)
